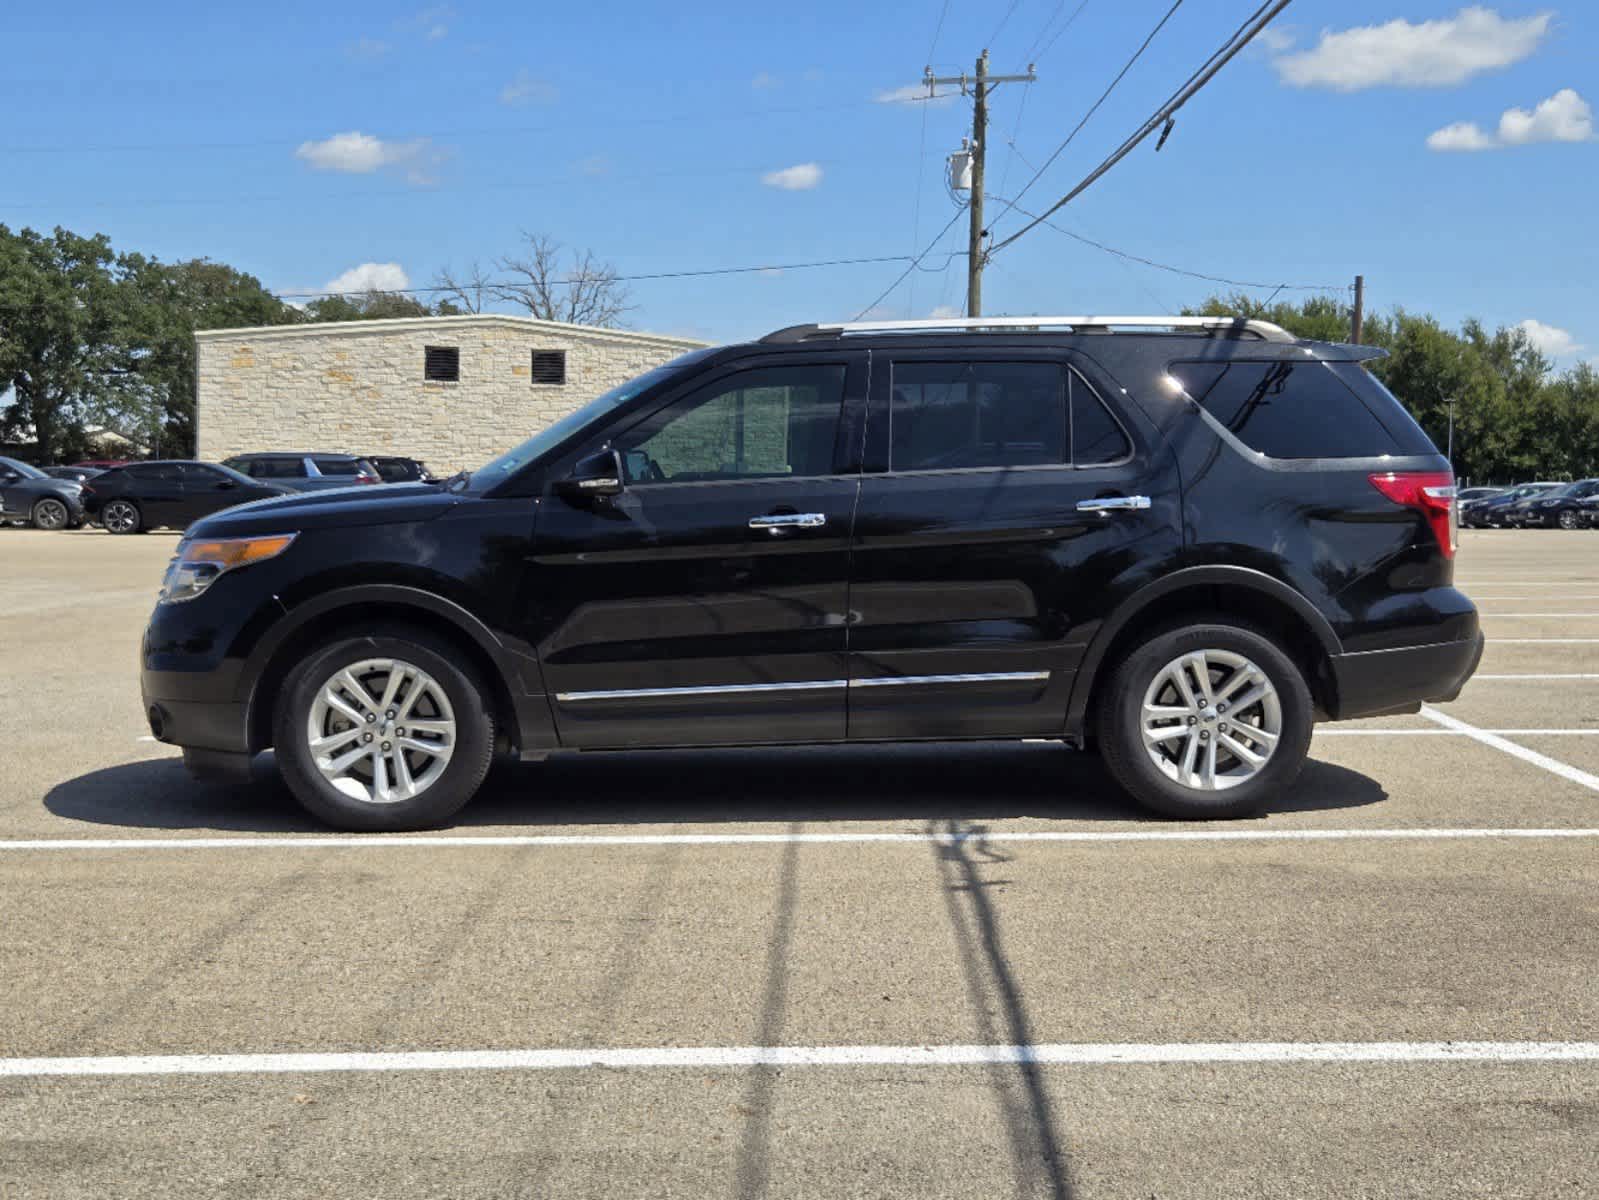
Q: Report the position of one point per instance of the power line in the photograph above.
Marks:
(578, 279)
(937, 30)
(1050, 45)
(1003, 21)
(1245, 34)
(1105, 95)
(915, 262)
(1160, 266)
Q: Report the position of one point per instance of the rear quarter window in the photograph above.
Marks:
(1302, 409)
(337, 466)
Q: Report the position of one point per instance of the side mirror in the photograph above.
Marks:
(598, 475)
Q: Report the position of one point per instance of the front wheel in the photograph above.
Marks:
(121, 516)
(50, 513)
(1567, 519)
(383, 732)
(1206, 721)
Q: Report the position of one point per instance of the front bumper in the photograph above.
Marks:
(1375, 682)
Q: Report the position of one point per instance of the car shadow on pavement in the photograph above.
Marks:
(971, 781)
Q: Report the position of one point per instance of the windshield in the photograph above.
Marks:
(502, 468)
(23, 469)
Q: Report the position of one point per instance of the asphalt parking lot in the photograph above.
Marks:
(944, 971)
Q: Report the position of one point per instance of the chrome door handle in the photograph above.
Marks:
(1106, 505)
(777, 522)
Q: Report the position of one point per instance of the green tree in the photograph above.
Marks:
(62, 324)
(367, 306)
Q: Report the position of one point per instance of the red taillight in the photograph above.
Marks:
(1432, 493)
(366, 479)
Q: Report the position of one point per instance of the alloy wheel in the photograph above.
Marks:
(50, 514)
(120, 517)
(381, 731)
(1211, 720)
(1568, 520)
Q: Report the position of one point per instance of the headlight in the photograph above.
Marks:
(201, 563)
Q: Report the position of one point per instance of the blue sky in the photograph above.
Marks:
(301, 141)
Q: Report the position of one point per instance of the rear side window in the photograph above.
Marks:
(337, 466)
(277, 468)
(1291, 409)
(1096, 437)
(162, 472)
(948, 416)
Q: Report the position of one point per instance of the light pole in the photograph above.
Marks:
(1450, 452)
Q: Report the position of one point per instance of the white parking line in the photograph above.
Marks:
(1321, 732)
(1552, 765)
(395, 841)
(1501, 678)
(1543, 641)
(702, 1057)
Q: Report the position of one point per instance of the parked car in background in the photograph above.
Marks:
(1559, 507)
(1494, 512)
(170, 492)
(75, 473)
(28, 494)
(103, 464)
(1467, 495)
(394, 469)
(1181, 541)
(305, 472)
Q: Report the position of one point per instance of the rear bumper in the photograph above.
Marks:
(1374, 682)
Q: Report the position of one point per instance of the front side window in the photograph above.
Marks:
(762, 424)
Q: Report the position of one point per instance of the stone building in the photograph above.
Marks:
(452, 391)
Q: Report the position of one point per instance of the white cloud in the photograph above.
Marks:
(764, 81)
(1275, 39)
(1461, 136)
(943, 312)
(914, 93)
(801, 177)
(1564, 117)
(594, 166)
(356, 153)
(527, 88)
(1553, 341)
(432, 23)
(371, 277)
(1438, 53)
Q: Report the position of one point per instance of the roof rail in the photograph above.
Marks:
(1234, 326)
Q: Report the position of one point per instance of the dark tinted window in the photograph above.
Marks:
(945, 416)
(197, 473)
(158, 472)
(1385, 406)
(277, 468)
(753, 425)
(337, 466)
(1288, 409)
(397, 470)
(1096, 437)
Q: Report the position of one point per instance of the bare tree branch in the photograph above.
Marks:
(470, 289)
(587, 293)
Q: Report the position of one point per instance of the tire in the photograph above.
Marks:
(443, 694)
(1567, 520)
(121, 516)
(1241, 789)
(49, 513)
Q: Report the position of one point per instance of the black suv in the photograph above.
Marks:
(1179, 540)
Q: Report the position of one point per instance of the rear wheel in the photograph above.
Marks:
(1206, 721)
(50, 513)
(121, 516)
(383, 732)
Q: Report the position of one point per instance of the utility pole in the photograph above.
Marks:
(1357, 325)
(981, 84)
